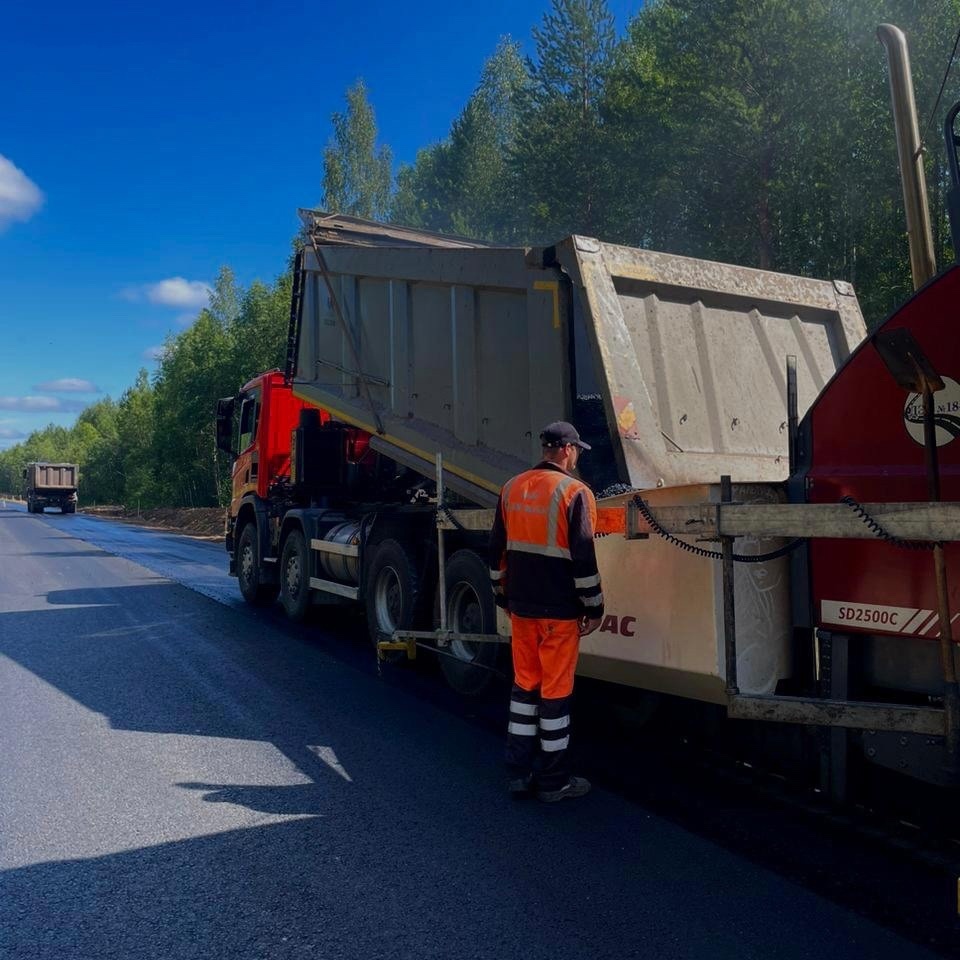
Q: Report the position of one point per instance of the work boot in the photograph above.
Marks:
(574, 787)
(519, 787)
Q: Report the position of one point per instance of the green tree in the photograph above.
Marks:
(259, 333)
(224, 304)
(356, 172)
(503, 82)
(455, 186)
(136, 430)
(726, 119)
(101, 476)
(760, 133)
(419, 197)
(241, 334)
(462, 185)
(559, 161)
(190, 378)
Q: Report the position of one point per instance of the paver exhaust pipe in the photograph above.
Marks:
(923, 263)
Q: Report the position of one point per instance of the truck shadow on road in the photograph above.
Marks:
(396, 837)
(382, 882)
(157, 658)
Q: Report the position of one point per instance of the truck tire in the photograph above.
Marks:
(295, 577)
(469, 667)
(391, 594)
(69, 508)
(249, 571)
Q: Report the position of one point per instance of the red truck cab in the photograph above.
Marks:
(255, 428)
(268, 414)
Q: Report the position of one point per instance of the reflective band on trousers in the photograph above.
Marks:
(596, 601)
(552, 746)
(554, 723)
(498, 574)
(522, 729)
(523, 709)
(581, 583)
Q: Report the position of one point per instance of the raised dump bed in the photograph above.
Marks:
(672, 368)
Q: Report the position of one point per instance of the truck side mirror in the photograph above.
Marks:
(225, 408)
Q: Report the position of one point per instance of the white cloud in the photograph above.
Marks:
(29, 403)
(41, 404)
(172, 292)
(20, 197)
(177, 292)
(154, 353)
(67, 385)
(8, 433)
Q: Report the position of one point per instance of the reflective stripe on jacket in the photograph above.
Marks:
(542, 558)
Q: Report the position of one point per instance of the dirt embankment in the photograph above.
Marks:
(194, 521)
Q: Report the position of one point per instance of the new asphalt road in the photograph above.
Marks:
(182, 776)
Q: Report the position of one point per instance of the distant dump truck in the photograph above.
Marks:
(51, 485)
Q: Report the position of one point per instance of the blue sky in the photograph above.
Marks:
(142, 147)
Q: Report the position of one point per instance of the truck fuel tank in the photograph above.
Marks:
(341, 567)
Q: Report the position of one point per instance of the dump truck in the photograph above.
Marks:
(407, 348)
(51, 485)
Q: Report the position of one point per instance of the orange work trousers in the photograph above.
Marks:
(545, 655)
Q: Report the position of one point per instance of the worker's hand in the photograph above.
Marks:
(587, 624)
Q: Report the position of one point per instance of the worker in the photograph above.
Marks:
(543, 569)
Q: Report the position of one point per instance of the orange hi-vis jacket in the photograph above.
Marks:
(542, 558)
